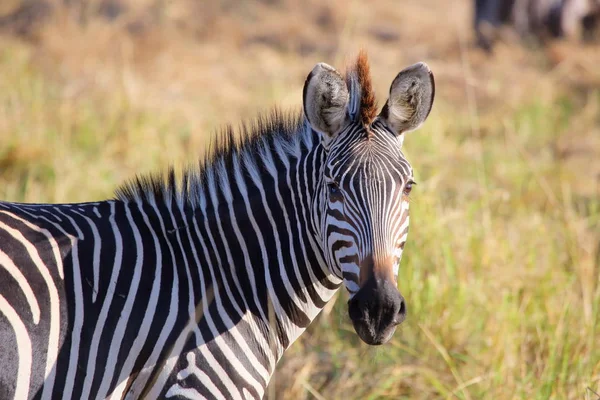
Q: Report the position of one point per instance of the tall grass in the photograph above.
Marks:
(501, 270)
(504, 309)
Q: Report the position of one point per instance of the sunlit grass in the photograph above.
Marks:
(57, 147)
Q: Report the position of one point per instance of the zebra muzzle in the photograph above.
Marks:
(376, 310)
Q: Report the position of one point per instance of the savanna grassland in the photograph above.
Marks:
(501, 270)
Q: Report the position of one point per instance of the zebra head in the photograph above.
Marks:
(361, 205)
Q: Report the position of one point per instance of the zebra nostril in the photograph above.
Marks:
(401, 312)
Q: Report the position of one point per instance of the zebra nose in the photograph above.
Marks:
(376, 309)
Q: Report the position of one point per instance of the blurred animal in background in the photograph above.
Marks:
(539, 19)
(24, 18)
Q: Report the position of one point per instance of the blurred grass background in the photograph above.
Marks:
(501, 272)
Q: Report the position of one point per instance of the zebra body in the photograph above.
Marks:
(195, 289)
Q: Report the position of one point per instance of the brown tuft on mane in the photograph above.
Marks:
(368, 104)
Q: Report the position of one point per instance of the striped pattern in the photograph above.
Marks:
(194, 289)
(368, 217)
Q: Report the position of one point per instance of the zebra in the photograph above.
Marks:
(193, 285)
(541, 19)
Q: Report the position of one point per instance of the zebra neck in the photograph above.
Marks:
(262, 267)
(243, 250)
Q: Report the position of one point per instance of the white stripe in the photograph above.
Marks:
(45, 232)
(220, 372)
(224, 346)
(191, 328)
(12, 269)
(78, 317)
(192, 369)
(168, 324)
(301, 214)
(95, 256)
(307, 307)
(204, 301)
(266, 156)
(267, 348)
(23, 348)
(102, 317)
(149, 313)
(44, 210)
(188, 393)
(234, 331)
(218, 341)
(54, 334)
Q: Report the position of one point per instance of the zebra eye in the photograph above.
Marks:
(408, 187)
(335, 193)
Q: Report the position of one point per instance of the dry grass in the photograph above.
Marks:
(501, 273)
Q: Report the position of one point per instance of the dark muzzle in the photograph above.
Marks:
(375, 310)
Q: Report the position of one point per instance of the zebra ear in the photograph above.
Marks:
(326, 100)
(411, 98)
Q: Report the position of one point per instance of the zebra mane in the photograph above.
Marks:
(251, 146)
(358, 80)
